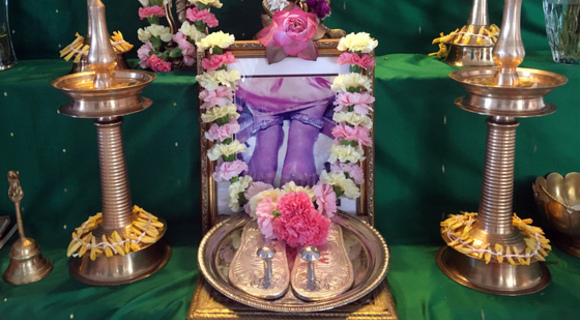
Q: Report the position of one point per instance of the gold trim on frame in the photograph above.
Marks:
(254, 49)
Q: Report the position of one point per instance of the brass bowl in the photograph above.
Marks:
(558, 199)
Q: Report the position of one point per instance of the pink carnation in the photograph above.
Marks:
(300, 224)
(354, 171)
(143, 54)
(220, 133)
(325, 199)
(360, 101)
(264, 212)
(217, 60)
(356, 133)
(228, 170)
(194, 14)
(255, 188)
(158, 65)
(219, 97)
(187, 48)
(147, 12)
(364, 61)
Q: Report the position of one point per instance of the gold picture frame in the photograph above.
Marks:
(365, 204)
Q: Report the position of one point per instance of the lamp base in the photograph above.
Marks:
(497, 278)
(118, 270)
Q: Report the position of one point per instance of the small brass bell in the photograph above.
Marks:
(27, 264)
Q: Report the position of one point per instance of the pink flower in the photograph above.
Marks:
(325, 199)
(143, 54)
(228, 170)
(147, 12)
(255, 188)
(300, 224)
(264, 212)
(354, 171)
(360, 101)
(364, 61)
(219, 97)
(217, 60)
(293, 31)
(220, 133)
(356, 133)
(158, 65)
(187, 48)
(194, 14)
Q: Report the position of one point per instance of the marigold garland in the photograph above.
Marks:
(144, 230)
(456, 232)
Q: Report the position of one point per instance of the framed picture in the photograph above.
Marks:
(286, 117)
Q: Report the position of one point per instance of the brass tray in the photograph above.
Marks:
(366, 248)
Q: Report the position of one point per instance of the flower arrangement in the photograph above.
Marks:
(298, 215)
(164, 49)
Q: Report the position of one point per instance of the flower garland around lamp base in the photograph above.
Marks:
(78, 49)
(455, 230)
(295, 214)
(145, 230)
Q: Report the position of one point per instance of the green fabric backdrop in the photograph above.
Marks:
(429, 157)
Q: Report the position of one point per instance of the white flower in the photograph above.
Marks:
(338, 179)
(220, 112)
(292, 187)
(255, 200)
(277, 5)
(352, 118)
(144, 3)
(235, 189)
(191, 31)
(220, 149)
(216, 39)
(345, 153)
(360, 42)
(155, 30)
(214, 3)
(349, 80)
(212, 79)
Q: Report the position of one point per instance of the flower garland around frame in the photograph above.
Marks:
(456, 231)
(295, 214)
(162, 50)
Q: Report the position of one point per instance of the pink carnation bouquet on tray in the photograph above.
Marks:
(164, 48)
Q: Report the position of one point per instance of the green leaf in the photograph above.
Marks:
(156, 42)
(349, 143)
(227, 141)
(217, 50)
(175, 53)
(229, 158)
(234, 179)
(355, 68)
(338, 191)
(200, 25)
(223, 120)
(351, 108)
(353, 89)
(242, 198)
(276, 213)
(203, 6)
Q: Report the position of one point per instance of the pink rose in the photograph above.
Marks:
(300, 224)
(264, 212)
(194, 14)
(293, 31)
(219, 97)
(143, 54)
(364, 61)
(228, 170)
(360, 101)
(354, 171)
(187, 48)
(325, 199)
(217, 60)
(147, 12)
(220, 133)
(356, 133)
(158, 65)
